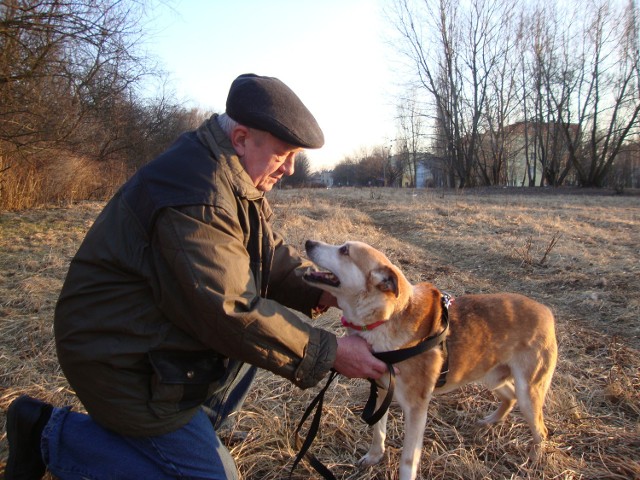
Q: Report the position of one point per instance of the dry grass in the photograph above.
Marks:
(579, 254)
(59, 178)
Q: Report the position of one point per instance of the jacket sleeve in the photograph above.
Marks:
(207, 289)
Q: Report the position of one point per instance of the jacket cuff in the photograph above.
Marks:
(319, 358)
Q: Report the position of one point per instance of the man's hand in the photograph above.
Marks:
(355, 360)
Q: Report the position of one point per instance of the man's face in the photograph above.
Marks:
(265, 158)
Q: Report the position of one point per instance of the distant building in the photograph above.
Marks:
(324, 177)
(430, 171)
(627, 166)
(528, 145)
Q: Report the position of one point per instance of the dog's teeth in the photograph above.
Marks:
(321, 276)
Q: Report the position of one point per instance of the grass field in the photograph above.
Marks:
(578, 253)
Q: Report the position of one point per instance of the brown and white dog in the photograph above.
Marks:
(504, 341)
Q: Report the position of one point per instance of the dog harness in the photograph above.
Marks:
(369, 413)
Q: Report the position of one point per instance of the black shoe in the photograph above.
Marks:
(26, 418)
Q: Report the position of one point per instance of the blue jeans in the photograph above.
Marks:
(75, 447)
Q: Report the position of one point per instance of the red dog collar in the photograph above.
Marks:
(362, 328)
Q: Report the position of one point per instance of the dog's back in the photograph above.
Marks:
(506, 342)
(496, 330)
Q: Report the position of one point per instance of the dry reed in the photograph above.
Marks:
(56, 179)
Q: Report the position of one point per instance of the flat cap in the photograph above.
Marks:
(265, 103)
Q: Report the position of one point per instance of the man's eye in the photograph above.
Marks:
(344, 250)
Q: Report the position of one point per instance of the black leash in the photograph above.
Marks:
(311, 434)
(370, 415)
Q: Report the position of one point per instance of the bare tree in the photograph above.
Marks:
(601, 83)
(367, 167)
(576, 70)
(410, 133)
(399, 164)
(546, 46)
(72, 57)
(373, 167)
(454, 65)
(501, 107)
(69, 70)
(345, 172)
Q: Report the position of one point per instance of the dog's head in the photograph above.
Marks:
(363, 280)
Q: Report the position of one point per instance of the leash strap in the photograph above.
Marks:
(370, 415)
(397, 356)
(311, 434)
(442, 379)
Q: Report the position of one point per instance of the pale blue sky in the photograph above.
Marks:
(332, 53)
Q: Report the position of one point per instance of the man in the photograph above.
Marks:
(175, 297)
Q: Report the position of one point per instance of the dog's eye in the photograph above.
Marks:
(344, 250)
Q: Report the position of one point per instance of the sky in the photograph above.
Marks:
(332, 53)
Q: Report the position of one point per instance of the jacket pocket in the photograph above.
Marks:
(181, 379)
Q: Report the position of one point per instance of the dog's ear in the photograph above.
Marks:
(385, 280)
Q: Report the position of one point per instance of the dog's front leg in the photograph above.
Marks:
(376, 450)
(415, 420)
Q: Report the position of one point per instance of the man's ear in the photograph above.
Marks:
(238, 139)
(385, 280)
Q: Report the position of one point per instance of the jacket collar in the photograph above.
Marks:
(211, 135)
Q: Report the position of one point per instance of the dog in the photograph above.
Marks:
(504, 341)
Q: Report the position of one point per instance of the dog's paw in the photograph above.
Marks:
(535, 452)
(370, 459)
(491, 419)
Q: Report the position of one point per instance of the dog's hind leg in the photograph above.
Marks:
(531, 386)
(500, 381)
(507, 396)
(531, 400)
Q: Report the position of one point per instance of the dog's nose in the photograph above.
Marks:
(310, 245)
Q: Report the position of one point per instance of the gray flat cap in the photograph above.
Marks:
(265, 103)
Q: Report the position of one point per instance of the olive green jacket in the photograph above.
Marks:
(179, 273)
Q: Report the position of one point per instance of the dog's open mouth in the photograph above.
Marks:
(316, 276)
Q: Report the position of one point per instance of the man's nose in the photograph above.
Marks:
(289, 166)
